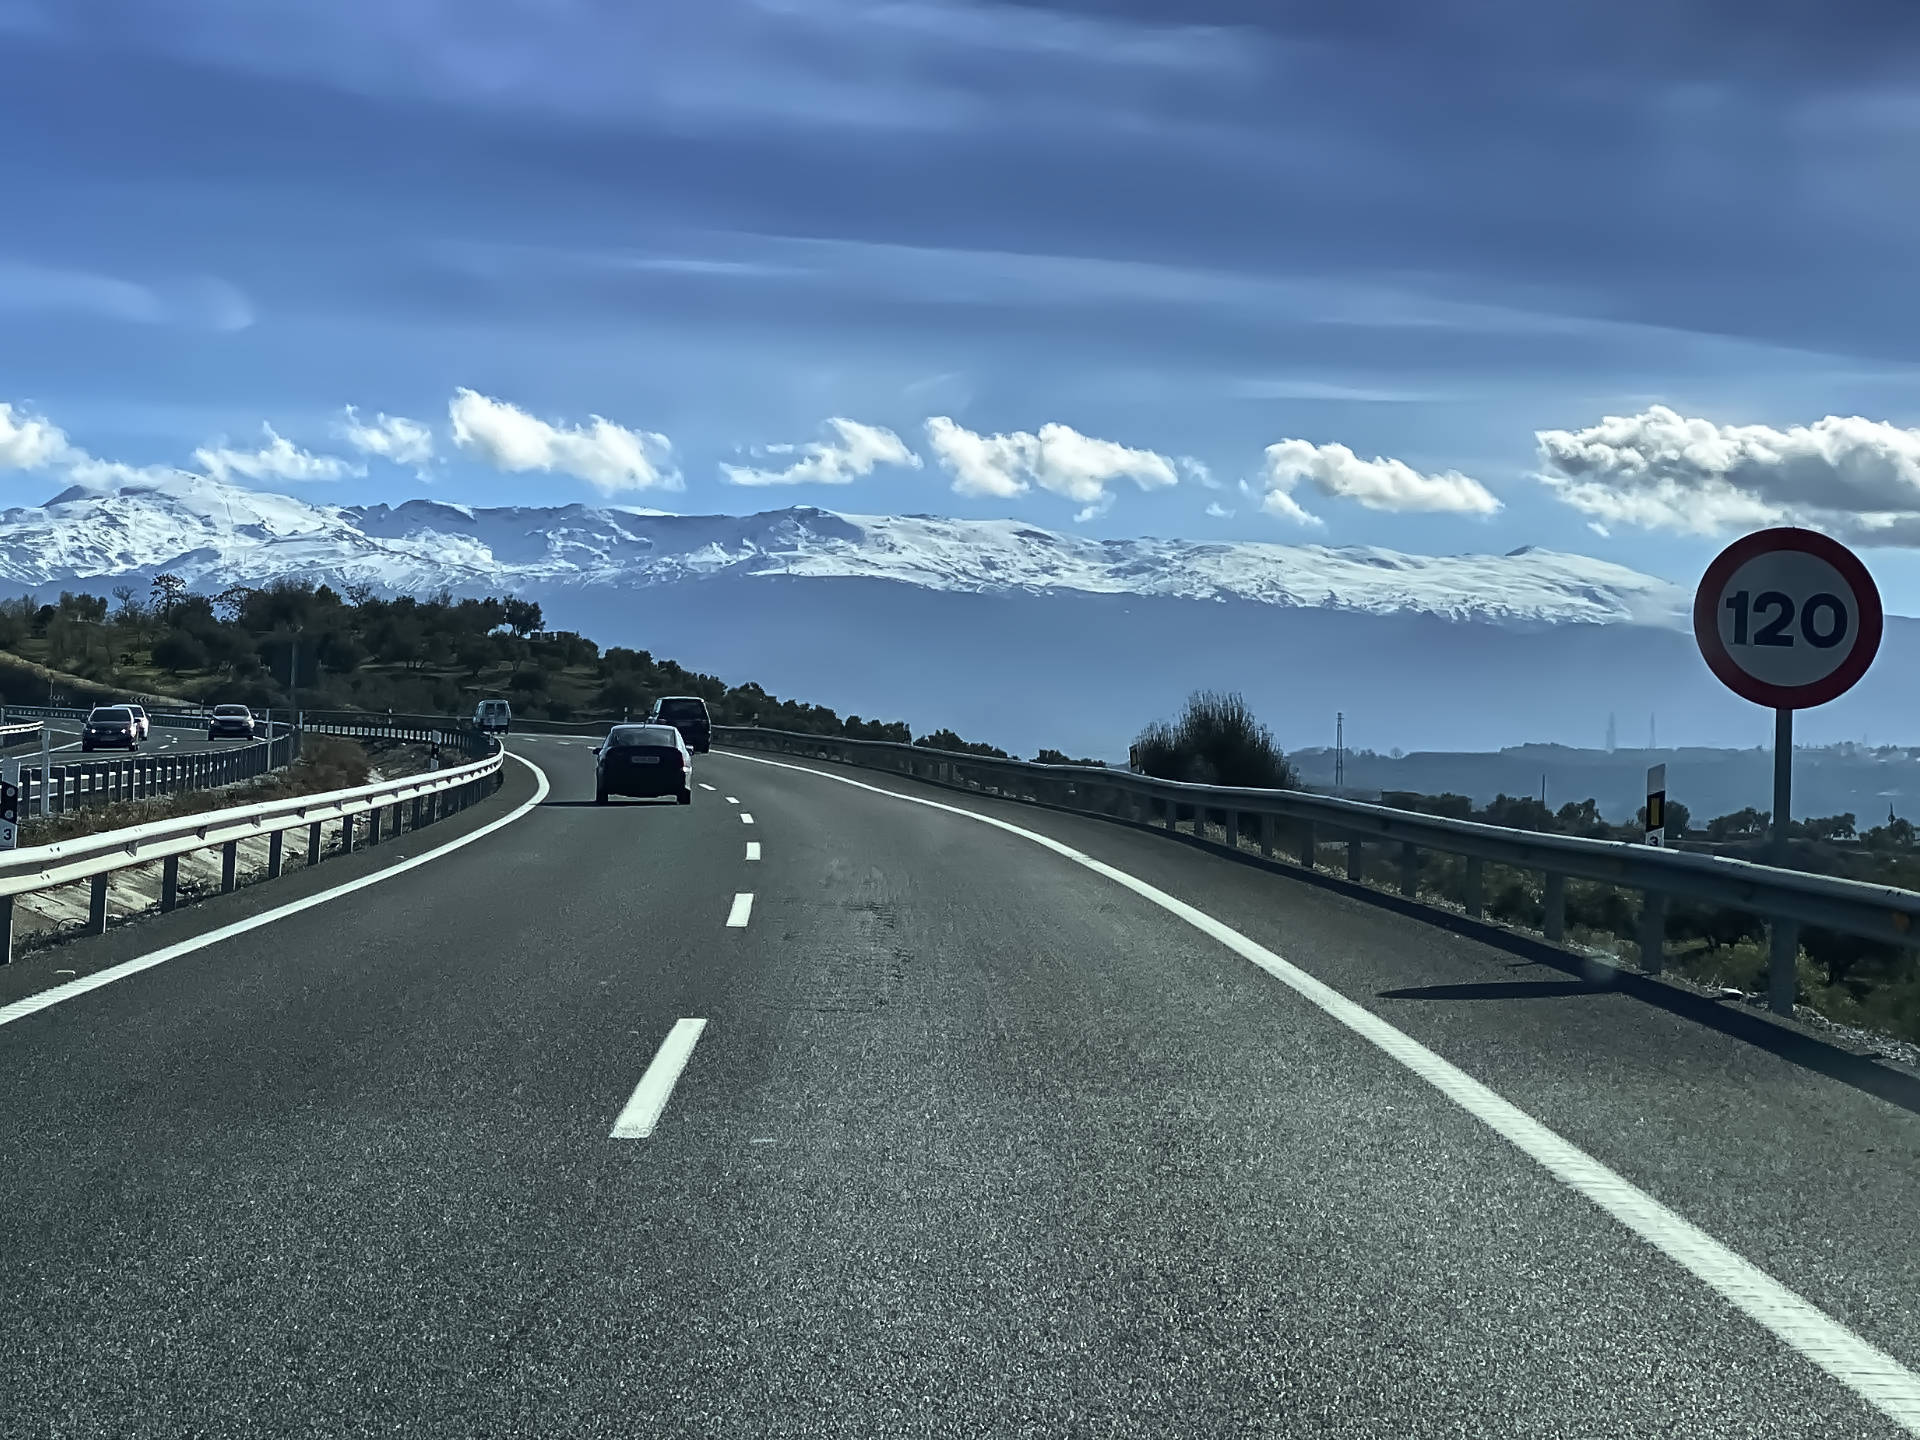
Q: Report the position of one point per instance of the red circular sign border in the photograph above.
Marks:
(1706, 618)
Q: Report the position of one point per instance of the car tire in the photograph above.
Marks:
(686, 797)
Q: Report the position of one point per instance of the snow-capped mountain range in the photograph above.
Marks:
(214, 535)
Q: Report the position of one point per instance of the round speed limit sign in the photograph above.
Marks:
(1787, 618)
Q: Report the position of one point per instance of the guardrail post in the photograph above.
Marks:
(6, 929)
(1554, 903)
(373, 825)
(1783, 965)
(170, 883)
(1473, 887)
(97, 907)
(1653, 932)
(229, 866)
(1307, 852)
(1356, 866)
(313, 843)
(1266, 835)
(346, 834)
(1233, 829)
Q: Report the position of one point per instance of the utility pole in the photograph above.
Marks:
(1339, 750)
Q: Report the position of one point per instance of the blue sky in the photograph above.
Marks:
(1178, 234)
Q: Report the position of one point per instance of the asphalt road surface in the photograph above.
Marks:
(911, 1125)
(64, 737)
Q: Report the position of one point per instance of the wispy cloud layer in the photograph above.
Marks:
(389, 437)
(278, 458)
(609, 457)
(199, 302)
(852, 454)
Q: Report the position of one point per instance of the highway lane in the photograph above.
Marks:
(163, 740)
(973, 1142)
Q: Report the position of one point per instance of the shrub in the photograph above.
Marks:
(1216, 741)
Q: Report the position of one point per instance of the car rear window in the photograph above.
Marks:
(112, 712)
(683, 709)
(624, 735)
(231, 710)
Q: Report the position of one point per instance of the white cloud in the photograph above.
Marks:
(1196, 471)
(391, 437)
(607, 456)
(1378, 484)
(31, 442)
(852, 456)
(1660, 470)
(1058, 459)
(278, 459)
(1218, 511)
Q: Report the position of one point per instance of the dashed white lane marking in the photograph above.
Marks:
(742, 909)
(705, 786)
(745, 819)
(650, 1096)
(73, 989)
(753, 849)
(1871, 1373)
(733, 799)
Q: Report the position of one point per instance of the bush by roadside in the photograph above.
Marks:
(1216, 741)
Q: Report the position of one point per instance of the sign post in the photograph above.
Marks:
(9, 804)
(1789, 619)
(1657, 805)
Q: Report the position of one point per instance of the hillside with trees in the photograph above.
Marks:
(352, 649)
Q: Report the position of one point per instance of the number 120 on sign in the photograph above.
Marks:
(1787, 618)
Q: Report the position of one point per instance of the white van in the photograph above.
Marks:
(493, 715)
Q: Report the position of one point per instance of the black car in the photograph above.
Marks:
(643, 760)
(110, 727)
(235, 720)
(688, 715)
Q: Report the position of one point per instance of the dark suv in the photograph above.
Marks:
(688, 715)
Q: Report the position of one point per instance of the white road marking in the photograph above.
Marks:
(753, 849)
(745, 819)
(1871, 1373)
(705, 786)
(650, 1096)
(733, 800)
(74, 989)
(742, 908)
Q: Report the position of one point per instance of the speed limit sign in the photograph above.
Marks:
(1787, 618)
(1790, 619)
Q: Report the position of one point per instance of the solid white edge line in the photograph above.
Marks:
(1872, 1374)
(742, 910)
(650, 1096)
(753, 849)
(74, 989)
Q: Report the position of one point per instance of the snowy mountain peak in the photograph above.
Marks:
(214, 535)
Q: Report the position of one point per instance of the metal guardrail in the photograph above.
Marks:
(413, 800)
(1782, 897)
